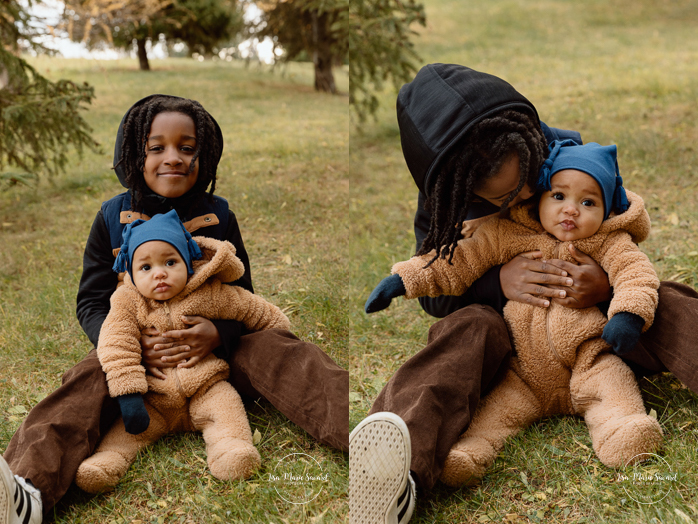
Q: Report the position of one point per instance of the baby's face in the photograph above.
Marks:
(573, 208)
(159, 272)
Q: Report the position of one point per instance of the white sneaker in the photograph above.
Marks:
(20, 502)
(381, 489)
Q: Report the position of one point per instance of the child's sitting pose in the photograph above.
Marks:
(171, 275)
(563, 362)
(166, 155)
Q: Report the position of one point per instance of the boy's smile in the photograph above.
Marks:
(169, 151)
(573, 208)
(159, 272)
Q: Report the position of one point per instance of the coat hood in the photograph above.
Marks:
(635, 220)
(218, 261)
(440, 105)
(120, 136)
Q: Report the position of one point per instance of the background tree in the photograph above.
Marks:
(307, 27)
(40, 119)
(380, 49)
(201, 24)
(212, 22)
(114, 23)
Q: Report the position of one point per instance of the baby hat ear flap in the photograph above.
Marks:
(121, 262)
(546, 170)
(192, 246)
(620, 198)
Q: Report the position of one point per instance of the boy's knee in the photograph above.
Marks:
(88, 368)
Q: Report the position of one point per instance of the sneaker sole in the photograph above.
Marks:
(379, 465)
(6, 497)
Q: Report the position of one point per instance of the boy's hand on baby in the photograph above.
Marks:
(152, 358)
(154, 347)
(590, 281)
(384, 293)
(178, 348)
(623, 332)
(529, 279)
(136, 418)
(200, 339)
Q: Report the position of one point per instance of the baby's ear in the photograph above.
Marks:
(236, 264)
(239, 267)
(234, 268)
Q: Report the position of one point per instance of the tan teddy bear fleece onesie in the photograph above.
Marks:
(197, 398)
(561, 366)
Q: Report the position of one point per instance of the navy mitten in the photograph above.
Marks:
(385, 292)
(136, 419)
(623, 332)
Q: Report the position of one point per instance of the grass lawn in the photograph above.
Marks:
(622, 72)
(284, 172)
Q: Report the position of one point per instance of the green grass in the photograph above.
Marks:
(284, 172)
(621, 72)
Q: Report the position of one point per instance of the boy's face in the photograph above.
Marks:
(169, 152)
(159, 271)
(498, 188)
(573, 208)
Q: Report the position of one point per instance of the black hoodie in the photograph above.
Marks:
(98, 280)
(434, 111)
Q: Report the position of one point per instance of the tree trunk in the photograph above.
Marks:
(142, 55)
(322, 54)
(4, 77)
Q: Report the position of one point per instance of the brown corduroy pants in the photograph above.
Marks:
(296, 377)
(437, 390)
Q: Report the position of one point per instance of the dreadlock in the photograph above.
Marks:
(137, 128)
(476, 158)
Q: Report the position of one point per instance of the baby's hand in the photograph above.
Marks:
(134, 413)
(156, 372)
(384, 293)
(623, 332)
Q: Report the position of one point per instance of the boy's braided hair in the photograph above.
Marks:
(476, 158)
(136, 129)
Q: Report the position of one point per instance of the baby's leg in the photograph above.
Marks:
(606, 393)
(116, 452)
(220, 415)
(509, 408)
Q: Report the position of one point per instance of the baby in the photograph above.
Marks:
(563, 362)
(171, 275)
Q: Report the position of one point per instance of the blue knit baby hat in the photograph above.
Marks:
(167, 228)
(599, 162)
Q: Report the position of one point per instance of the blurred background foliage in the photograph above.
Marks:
(41, 119)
